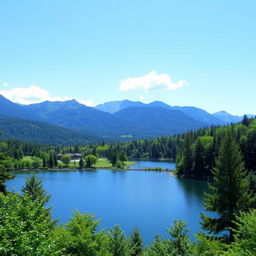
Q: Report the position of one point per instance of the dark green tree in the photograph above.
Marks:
(81, 163)
(185, 161)
(136, 243)
(4, 175)
(66, 160)
(114, 159)
(179, 244)
(199, 163)
(90, 160)
(118, 244)
(51, 160)
(34, 189)
(122, 156)
(159, 247)
(230, 191)
(246, 120)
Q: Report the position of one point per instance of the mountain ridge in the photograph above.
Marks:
(133, 120)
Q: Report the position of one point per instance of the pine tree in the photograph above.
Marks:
(245, 120)
(230, 192)
(199, 163)
(4, 175)
(34, 188)
(136, 243)
(118, 244)
(81, 163)
(185, 163)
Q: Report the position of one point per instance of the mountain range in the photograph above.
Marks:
(117, 120)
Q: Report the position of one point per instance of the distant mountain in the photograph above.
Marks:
(115, 106)
(76, 116)
(228, 118)
(9, 108)
(197, 114)
(200, 115)
(162, 120)
(117, 120)
(39, 132)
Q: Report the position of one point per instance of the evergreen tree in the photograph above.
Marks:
(185, 162)
(34, 189)
(4, 175)
(114, 159)
(122, 156)
(51, 161)
(230, 192)
(136, 243)
(199, 164)
(158, 248)
(118, 244)
(179, 244)
(81, 163)
(245, 120)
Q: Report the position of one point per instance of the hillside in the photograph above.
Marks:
(197, 114)
(162, 120)
(200, 115)
(228, 118)
(76, 116)
(40, 132)
(117, 120)
(115, 106)
(9, 108)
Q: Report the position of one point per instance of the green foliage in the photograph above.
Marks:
(119, 164)
(209, 246)
(159, 247)
(90, 160)
(179, 244)
(245, 236)
(122, 156)
(79, 237)
(136, 243)
(44, 133)
(118, 244)
(37, 162)
(4, 175)
(25, 227)
(81, 163)
(66, 160)
(34, 189)
(230, 192)
(245, 120)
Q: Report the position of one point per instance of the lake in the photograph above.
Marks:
(148, 200)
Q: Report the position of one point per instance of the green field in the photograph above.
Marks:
(104, 163)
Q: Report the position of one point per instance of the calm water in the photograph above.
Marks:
(148, 200)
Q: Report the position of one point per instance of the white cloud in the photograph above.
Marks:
(142, 98)
(5, 84)
(149, 82)
(35, 94)
(89, 103)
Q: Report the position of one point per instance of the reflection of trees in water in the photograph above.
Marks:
(193, 190)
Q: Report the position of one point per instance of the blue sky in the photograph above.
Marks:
(200, 53)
